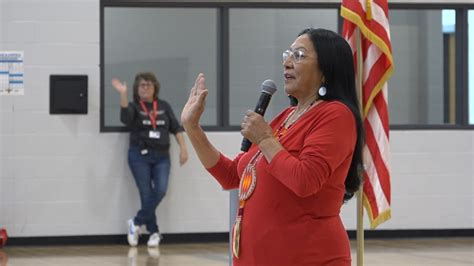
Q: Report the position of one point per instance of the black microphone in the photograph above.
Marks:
(268, 89)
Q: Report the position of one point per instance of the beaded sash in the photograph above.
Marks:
(247, 185)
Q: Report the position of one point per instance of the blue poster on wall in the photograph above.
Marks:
(11, 73)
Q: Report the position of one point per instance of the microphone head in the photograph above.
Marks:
(269, 86)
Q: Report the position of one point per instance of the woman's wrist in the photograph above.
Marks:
(189, 128)
(270, 147)
(265, 142)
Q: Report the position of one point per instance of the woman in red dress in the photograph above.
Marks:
(301, 166)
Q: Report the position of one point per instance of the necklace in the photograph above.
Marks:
(287, 122)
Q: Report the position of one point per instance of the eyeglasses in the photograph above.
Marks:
(296, 56)
(145, 85)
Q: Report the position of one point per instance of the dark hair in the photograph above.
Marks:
(147, 76)
(337, 65)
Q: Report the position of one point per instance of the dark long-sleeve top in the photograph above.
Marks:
(138, 121)
(292, 217)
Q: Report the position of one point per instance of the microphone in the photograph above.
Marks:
(268, 89)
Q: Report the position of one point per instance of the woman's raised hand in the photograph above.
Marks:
(195, 106)
(119, 86)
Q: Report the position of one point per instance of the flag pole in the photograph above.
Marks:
(360, 193)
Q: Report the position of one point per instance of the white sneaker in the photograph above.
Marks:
(133, 233)
(154, 240)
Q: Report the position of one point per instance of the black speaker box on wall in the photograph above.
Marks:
(68, 94)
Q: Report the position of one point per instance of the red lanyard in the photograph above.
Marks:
(152, 116)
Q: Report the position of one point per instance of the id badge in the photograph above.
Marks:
(154, 134)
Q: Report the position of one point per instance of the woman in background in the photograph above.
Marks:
(150, 120)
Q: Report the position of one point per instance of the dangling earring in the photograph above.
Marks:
(322, 91)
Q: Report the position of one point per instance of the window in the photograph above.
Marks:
(257, 38)
(422, 90)
(238, 45)
(174, 43)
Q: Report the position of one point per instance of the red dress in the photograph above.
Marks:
(292, 217)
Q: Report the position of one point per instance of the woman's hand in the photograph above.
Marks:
(195, 106)
(122, 89)
(119, 86)
(254, 128)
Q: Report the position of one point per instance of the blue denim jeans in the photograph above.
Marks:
(151, 173)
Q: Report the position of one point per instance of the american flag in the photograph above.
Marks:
(371, 18)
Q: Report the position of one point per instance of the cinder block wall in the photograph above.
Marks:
(60, 176)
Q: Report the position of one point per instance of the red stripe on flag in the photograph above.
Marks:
(370, 195)
(380, 166)
(365, 48)
(375, 75)
(382, 110)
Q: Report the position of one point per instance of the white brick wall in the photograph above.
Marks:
(432, 180)
(60, 176)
